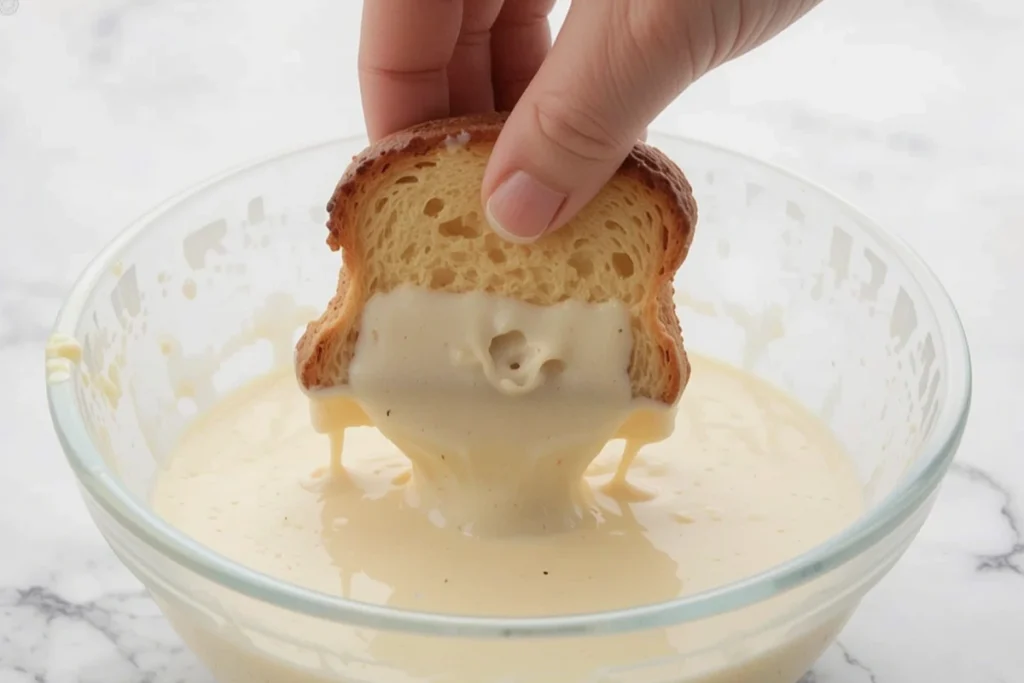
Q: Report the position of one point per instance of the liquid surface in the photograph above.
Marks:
(749, 479)
(500, 405)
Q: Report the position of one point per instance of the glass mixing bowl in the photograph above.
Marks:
(784, 280)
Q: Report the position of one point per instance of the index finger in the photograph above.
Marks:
(404, 50)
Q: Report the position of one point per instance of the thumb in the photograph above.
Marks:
(613, 68)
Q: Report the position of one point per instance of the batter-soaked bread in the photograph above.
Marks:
(408, 211)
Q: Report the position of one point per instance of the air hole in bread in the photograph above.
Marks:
(582, 264)
(516, 273)
(381, 203)
(426, 164)
(433, 207)
(407, 180)
(623, 264)
(508, 349)
(628, 200)
(408, 252)
(441, 277)
(457, 227)
(580, 242)
(496, 255)
(612, 225)
(637, 222)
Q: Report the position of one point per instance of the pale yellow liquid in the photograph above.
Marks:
(748, 480)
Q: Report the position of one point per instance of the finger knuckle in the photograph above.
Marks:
(659, 35)
(575, 130)
(526, 12)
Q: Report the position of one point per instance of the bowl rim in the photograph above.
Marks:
(914, 489)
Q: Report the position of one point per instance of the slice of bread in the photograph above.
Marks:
(408, 211)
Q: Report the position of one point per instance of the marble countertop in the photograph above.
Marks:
(912, 109)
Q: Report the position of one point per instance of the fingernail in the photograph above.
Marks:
(522, 208)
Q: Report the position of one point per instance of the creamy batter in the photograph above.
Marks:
(748, 479)
(500, 404)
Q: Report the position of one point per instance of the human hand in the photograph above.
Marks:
(577, 107)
